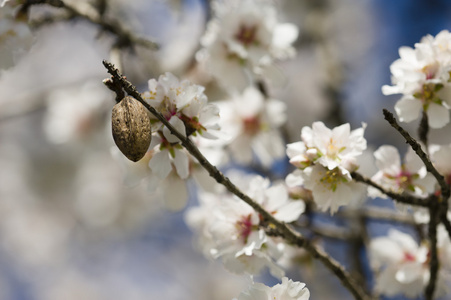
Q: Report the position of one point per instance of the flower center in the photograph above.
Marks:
(428, 94)
(167, 108)
(409, 257)
(251, 125)
(165, 144)
(430, 70)
(246, 35)
(245, 227)
(332, 178)
(192, 125)
(405, 180)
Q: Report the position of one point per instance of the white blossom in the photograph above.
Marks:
(252, 125)
(441, 159)
(403, 265)
(184, 105)
(421, 74)
(331, 188)
(229, 228)
(409, 176)
(336, 148)
(324, 159)
(243, 40)
(287, 290)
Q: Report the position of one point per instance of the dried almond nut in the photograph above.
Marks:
(131, 128)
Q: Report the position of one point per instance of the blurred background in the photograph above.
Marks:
(72, 223)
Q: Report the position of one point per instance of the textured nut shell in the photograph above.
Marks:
(131, 128)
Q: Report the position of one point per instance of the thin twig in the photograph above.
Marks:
(423, 130)
(434, 203)
(283, 230)
(403, 198)
(444, 187)
(124, 37)
(434, 265)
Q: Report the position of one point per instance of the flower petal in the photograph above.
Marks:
(438, 115)
(408, 109)
(181, 163)
(178, 125)
(160, 164)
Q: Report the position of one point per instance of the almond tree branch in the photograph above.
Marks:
(403, 198)
(279, 227)
(434, 203)
(444, 187)
(445, 221)
(124, 37)
(423, 130)
(434, 264)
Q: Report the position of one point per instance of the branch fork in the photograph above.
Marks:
(277, 227)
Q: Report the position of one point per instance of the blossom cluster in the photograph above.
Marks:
(241, 44)
(325, 159)
(409, 176)
(231, 230)
(252, 126)
(185, 106)
(403, 265)
(422, 76)
(243, 40)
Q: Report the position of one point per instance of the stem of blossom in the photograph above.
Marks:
(398, 197)
(423, 130)
(434, 265)
(348, 281)
(283, 230)
(124, 38)
(444, 187)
